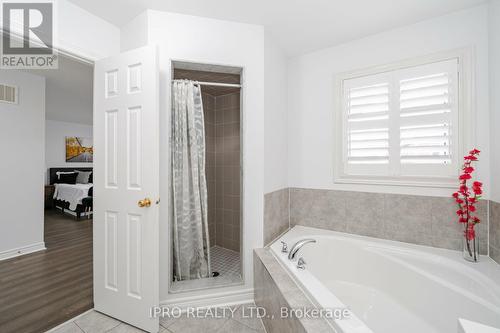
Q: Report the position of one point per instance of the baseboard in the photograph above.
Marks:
(22, 250)
(211, 300)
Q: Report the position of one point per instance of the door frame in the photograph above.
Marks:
(185, 297)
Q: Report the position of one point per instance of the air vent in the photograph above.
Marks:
(8, 94)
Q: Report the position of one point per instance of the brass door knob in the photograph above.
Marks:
(144, 203)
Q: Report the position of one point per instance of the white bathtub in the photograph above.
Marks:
(393, 287)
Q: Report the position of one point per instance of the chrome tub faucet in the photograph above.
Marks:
(297, 246)
(301, 264)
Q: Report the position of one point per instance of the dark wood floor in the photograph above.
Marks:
(41, 290)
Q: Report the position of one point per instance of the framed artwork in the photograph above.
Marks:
(79, 149)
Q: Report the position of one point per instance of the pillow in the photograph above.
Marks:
(58, 173)
(83, 177)
(67, 178)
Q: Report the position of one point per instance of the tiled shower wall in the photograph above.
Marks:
(222, 136)
(227, 172)
(414, 219)
(221, 106)
(209, 114)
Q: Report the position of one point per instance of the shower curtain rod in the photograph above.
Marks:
(215, 84)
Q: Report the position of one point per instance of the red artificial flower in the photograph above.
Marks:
(463, 197)
(465, 176)
(468, 169)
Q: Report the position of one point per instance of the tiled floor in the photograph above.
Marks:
(95, 322)
(224, 261)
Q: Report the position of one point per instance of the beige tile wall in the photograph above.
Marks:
(227, 172)
(495, 231)
(276, 214)
(209, 114)
(407, 218)
(274, 290)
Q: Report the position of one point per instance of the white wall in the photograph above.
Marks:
(189, 38)
(82, 33)
(135, 33)
(22, 143)
(311, 91)
(494, 46)
(275, 128)
(85, 34)
(55, 144)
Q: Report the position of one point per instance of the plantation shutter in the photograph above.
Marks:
(428, 103)
(368, 120)
(402, 122)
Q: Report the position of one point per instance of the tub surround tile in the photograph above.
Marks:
(408, 219)
(267, 295)
(413, 219)
(318, 208)
(495, 224)
(447, 232)
(495, 231)
(495, 254)
(274, 289)
(276, 214)
(364, 213)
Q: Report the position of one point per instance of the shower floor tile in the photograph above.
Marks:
(224, 261)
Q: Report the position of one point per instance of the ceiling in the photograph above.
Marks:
(68, 91)
(298, 26)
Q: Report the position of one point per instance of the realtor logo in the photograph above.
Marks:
(28, 35)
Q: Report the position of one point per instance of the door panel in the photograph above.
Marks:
(126, 170)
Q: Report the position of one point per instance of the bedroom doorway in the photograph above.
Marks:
(53, 112)
(77, 264)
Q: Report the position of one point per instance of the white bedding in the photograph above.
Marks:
(72, 193)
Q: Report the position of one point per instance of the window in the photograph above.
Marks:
(402, 124)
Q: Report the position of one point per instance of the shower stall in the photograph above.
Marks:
(205, 223)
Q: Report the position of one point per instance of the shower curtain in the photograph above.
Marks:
(190, 224)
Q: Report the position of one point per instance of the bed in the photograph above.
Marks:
(75, 199)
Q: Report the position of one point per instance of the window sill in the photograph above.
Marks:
(409, 182)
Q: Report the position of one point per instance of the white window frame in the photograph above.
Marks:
(466, 124)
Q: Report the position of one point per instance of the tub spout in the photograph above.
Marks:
(298, 246)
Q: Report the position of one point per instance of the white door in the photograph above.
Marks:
(126, 176)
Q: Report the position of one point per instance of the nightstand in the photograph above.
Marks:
(49, 196)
